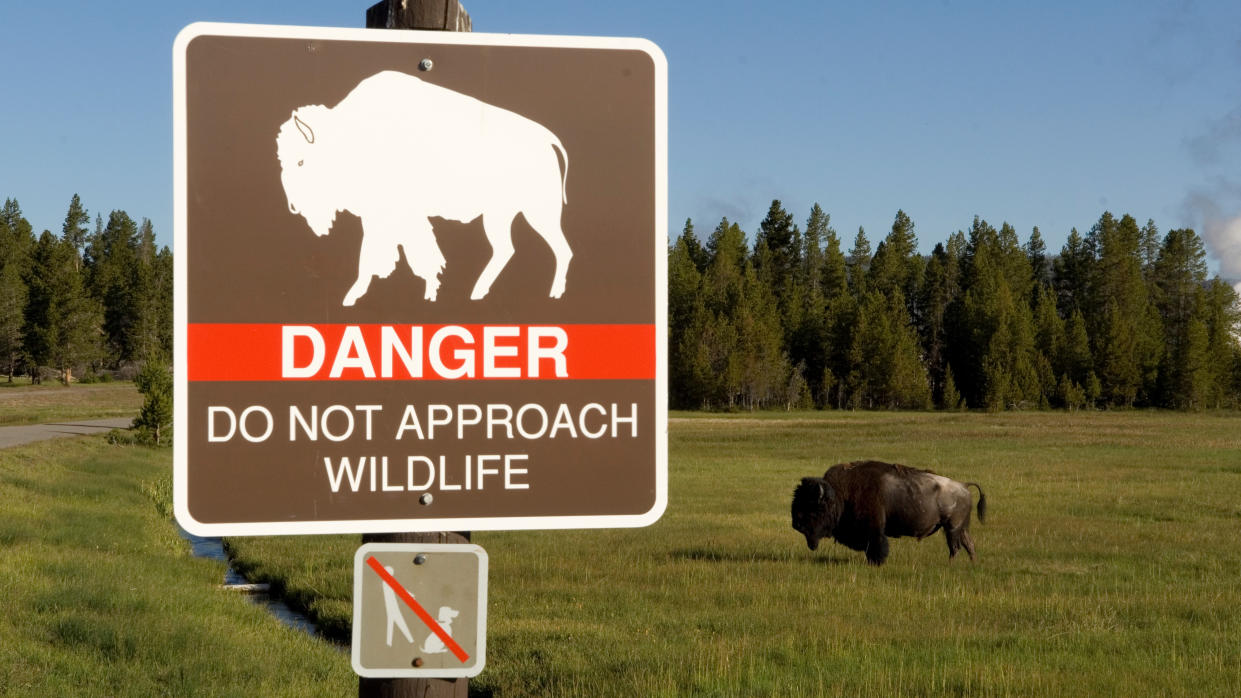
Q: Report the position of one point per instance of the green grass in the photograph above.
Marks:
(1110, 565)
(23, 403)
(99, 596)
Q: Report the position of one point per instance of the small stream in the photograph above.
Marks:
(213, 549)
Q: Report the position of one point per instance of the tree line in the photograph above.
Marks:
(85, 303)
(1123, 316)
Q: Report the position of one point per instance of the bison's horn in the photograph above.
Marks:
(822, 491)
(304, 127)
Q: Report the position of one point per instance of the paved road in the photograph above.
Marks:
(16, 436)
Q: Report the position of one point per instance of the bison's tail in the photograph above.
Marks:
(564, 177)
(982, 501)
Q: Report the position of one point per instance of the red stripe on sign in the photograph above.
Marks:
(271, 352)
(418, 609)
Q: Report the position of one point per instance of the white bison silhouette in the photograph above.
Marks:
(397, 150)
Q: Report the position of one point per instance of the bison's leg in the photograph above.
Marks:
(968, 542)
(953, 537)
(377, 257)
(499, 230)
(877, 549)
(958, 538)
(546, 222)
(358, 289)
(423, 254)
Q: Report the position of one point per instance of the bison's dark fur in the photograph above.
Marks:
(863, 503)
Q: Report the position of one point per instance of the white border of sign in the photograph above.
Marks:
(360, 568)
(180, 311)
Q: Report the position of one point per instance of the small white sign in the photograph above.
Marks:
(419, 610)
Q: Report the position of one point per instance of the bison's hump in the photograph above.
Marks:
(879, 467)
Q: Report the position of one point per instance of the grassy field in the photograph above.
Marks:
(1110, 565)
(23, 403)
(99, 596)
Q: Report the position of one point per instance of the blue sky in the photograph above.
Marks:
(1036, 114)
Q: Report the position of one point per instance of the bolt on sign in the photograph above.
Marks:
(420, 282)
(419, 610)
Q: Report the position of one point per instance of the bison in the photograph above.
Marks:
(863, 503)
(397, 151)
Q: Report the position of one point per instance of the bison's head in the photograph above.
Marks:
(305, 167)
(816, 509)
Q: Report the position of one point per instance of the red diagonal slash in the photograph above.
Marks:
(418, 609)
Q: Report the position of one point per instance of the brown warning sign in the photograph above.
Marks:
(420, 282)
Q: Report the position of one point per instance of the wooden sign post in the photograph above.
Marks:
(444, 15)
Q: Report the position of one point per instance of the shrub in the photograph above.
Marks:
(155, 382)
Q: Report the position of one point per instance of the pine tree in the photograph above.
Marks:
(1036, 257)
(93, 253)
(726, 245)
(1177, 275)
(1124, 328)
(939, 291)
(776, 263)
(1009, 367)
(993, 325)
(685, 325)
(1016, 264)
(797, 393)
(842, 362)
(1071, 273)
(968, 328)
(956, 246)
(764, 364)
(17, 238)
(154, 381)
(908, 385)
(1193, 388)
(1179, 270)
(16, 245)
(1149, 244)
(885, 355)
(868, 357)
(806, 341)
(74, 231)
(1049, 342)
(18, 228)
(13, 294)
(835, 268)
(42, 311)
(146, 329)
(817, 235)
(697, 253)
(62, 323)
(951, 398)
(119, 281)
(163, 306)
(1093, 389)
(1076, 360)
(780, 240)
(1116, 354)
(1071, 395)
(723, 294)
(1221, 319)
(858, 263)
(897, 266)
